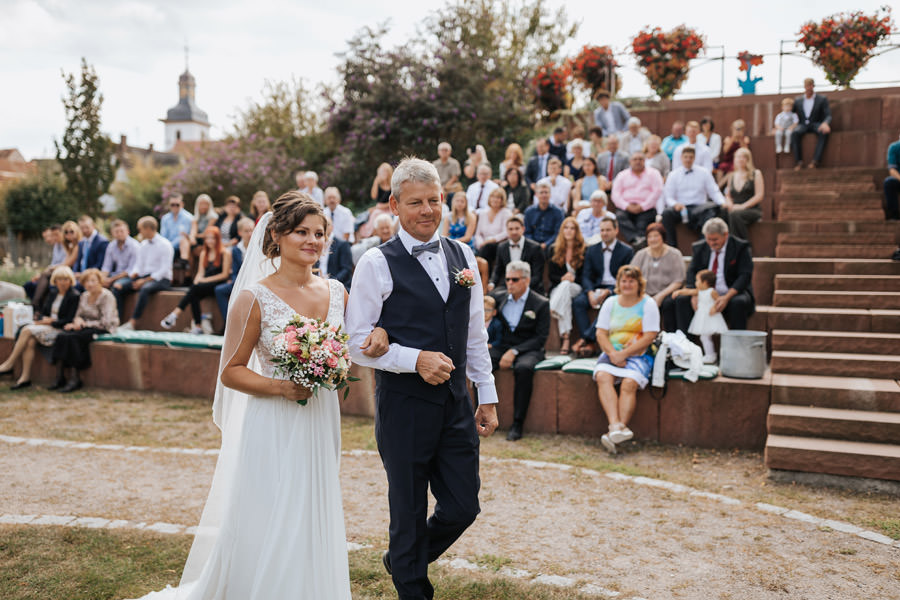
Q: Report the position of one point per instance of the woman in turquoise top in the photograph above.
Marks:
(459, 224)
(626, 326)
(587, 185)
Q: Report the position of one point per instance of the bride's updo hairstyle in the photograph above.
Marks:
(289, 211)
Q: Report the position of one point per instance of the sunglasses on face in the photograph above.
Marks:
(513, 279)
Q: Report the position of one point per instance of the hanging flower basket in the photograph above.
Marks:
(664, 57)
(550, 86)
(592, 67)
(843, 43)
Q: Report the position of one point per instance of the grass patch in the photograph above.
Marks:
(889, 527)
(61, 563)
(495, 563)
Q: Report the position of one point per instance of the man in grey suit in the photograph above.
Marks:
(611, 163)
(611, 116)
(815, 117)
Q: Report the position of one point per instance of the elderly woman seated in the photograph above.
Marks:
(626, 326)
(57, 312)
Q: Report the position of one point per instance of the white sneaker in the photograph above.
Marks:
(778, 149)
(608, 443)
(126, 327)
(206, 325)
(710, 358)
(195, 330)
(620, 436)
(169, 321)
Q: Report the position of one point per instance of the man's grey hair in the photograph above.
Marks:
(333, 190)
(445, 145)
(542, 184)
(312, 175)
(715, 225)
(519, 266)
(383, 218)
(634, 121)
(413, 170)
(484, 167)
(601, 195)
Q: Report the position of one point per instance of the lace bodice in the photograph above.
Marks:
(275, 314)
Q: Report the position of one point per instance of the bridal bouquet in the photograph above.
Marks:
(314, 354)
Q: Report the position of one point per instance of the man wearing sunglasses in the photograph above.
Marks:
(176, 221)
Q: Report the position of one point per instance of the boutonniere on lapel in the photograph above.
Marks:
(529, 314)
(465, 278)
(733, 261)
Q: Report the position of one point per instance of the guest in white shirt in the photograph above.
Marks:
(589, 218)
(384, 230)
(491, 227)
(151, 274)
(702, 155)
(559, 186)
(478, 192)
(308, 183)
(710, 138)
(634, 139)
(341, 216)
(688, 194)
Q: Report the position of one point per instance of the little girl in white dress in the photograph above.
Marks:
(706, 321)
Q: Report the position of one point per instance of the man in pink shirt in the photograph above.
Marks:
(635, 192)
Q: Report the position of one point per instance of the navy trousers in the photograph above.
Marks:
(426, 442)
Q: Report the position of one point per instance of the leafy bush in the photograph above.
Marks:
(38, 201)
(141, 193)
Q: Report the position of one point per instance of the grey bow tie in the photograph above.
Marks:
(429, 247)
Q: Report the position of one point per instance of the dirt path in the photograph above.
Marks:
(640, 540)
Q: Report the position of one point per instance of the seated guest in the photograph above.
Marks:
(367, 229)
(662, 266)
(815, 117)
(460, 223)
(557, 141)
(559, 185)
(564, 268)
(611, 116)
(573, 167)
(60, 255)
(729, 258)
(447, 167)
(309, 184)
(536, 169)
(587, 185)
(626, 326)
(710, 138)
(744, 191)
(214, 267)
(491, 227)
(688, 191)
(737, 139)
(96, 314)
(341, 217)
(892, 184)
(478, 192)
(634, 139)
(492, 324)
(514, 158)
(259, 205)
(578, 140)
(204, 215)
(516, 247)
(542, 220)
(702, 155)
(338, 263)
(673, 140)
(175, 222)
(57, 312)
(635, 192)
(121, 254)
(597, 282)
(596, 136)
(151, 274)
(91, 248)
(589, 219)
(655, 157)
(518, 194)
(477, 158)
(238, 251)
(611, 163)
(384, 231)
(525, 317)
(227, 222)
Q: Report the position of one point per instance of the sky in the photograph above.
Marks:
(137, 49)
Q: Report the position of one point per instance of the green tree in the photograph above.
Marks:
(141, 193)
(85, 154)
(37, 201)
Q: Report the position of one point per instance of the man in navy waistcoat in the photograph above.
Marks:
(416, 286)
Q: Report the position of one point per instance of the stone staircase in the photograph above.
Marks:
(835, 329)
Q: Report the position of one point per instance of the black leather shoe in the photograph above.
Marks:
(515, 433)
(19, 386)
(6, 373)
(386, 561)
(71, 387)
(60, 383)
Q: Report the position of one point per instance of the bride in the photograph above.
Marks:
(273, 525)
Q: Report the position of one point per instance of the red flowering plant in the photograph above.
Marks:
(592, 67)
(550, 86)
(748, 60)
(843, 43)
(664, 56)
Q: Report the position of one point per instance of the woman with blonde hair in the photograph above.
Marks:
(204, 215)
(459, 224)
(381, 185)
(513, 159)
(477, 157)
(744, 190)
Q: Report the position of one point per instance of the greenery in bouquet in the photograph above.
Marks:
(550, 86)
(592, 66)
(664, 57)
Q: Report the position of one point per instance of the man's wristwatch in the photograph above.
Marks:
(514, 351)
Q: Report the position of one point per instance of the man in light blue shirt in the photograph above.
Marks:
(176, 221)
(677, 138)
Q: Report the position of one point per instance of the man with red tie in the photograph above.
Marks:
(731, 261)
(611, 163)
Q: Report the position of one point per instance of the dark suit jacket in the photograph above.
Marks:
(821, 113)
(533, 169)
(531, 253)
(340, 262)
(531, 333)
(233, 228)
(557, 150)
(95, 254)
(67, 309)
(620, 164)
(592, 273)
(738, 265)
(555, 272)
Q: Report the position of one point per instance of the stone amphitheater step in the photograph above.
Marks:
(835, 341)
(830, 319)
(829, 199)
(883, 283)
(836, 457)
(790, 212)
(857, 393)
(872, 251)
(834, 174)
(834, 364)
(853, 185)
(834, 423)
(847, 238)
(837, 299)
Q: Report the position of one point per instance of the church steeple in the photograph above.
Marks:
(185, 121)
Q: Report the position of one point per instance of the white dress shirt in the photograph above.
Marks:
(515, 249)
(808, 104)
(372, 284)
(721, 286)
(590, 223)
(608, 277)
(692, 187)
(477, 198)
(702, 155)
(342, 221)
(154, 259)
(559, 191)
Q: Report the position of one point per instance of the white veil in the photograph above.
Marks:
(229, 405)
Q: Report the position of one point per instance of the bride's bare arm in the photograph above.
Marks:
(241, 334)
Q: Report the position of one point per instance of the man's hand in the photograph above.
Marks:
(719, 305)
(376, 343)
(678, 207)
(434, 367)
(486, 419)
(825, 128)
(507, 360)
(138, 284)
(597, 297)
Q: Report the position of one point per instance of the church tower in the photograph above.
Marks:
(185, 121)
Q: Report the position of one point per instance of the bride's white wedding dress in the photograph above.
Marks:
(273, 526)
